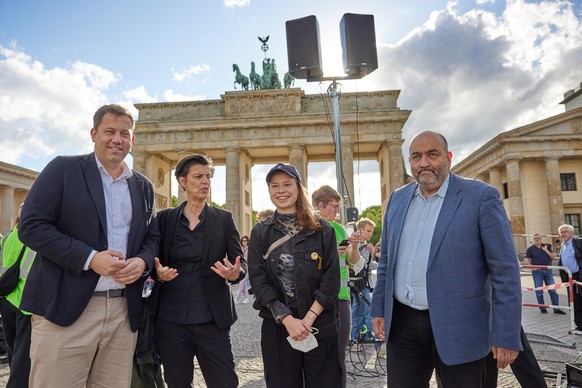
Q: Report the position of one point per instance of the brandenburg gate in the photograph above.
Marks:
(266, 127)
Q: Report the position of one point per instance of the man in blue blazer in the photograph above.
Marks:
(91, 220)
(448, 289)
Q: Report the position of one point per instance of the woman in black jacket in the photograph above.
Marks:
(200, 256)
(294, 271)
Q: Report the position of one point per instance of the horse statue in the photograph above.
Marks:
(240, 78)
(288, 80)
(254, 78)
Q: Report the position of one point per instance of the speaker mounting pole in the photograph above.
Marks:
(333, 90)
(360, 58)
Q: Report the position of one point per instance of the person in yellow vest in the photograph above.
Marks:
(327, 202)
(15, 322)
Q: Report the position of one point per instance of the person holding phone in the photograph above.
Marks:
(327, 201)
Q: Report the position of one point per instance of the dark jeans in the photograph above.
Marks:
(541, 276)
(345, 311)
(17, 331)
(178, 344)
(286, 367)
(412, 355)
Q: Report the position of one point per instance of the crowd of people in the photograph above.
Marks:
(90, 236)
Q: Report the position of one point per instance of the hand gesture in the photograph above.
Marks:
(164, 273)
(227, 270)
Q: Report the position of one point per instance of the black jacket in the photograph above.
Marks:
(221, 239)
(313, 281)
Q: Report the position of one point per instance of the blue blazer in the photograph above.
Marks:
(473, 281)
(63, 220)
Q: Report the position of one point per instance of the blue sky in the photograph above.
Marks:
(470, 69)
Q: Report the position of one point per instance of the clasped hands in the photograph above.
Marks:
(113, 263)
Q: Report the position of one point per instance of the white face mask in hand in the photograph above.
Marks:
(307, 344)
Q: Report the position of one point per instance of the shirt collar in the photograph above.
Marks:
(125, 172)
(202, 213)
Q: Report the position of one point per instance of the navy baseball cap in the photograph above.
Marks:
(287, 168)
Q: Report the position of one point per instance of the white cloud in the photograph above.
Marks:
(236, 3)
(185, 74)
(47, 110)
(139, 94)
(474, 75)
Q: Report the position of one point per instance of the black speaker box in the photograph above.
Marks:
(358, 38)
(303, 49)
(352, 214)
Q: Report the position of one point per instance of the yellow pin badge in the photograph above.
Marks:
(315, 256)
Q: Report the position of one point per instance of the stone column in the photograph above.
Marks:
(391, 170)
(233, 183)
(174, 181)
(6, 215)
(298, 158)
(495, 180)
(396, 171)
(348, 167)
(555, 202)
(139, 162)
(515, 202)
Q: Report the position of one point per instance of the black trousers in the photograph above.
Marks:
(178, 344)
(17, 331)
(525, 368)
(412, 355)
(286, 367)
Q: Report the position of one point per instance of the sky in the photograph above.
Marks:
(468, 69)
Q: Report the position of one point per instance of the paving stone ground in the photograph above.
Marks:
(368, 371)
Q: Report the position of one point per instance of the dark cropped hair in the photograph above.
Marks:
(186, 162)
(114, 109)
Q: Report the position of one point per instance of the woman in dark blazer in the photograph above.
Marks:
(200, 256)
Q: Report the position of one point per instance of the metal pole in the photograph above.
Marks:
(338, 149)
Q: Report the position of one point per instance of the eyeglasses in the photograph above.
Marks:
(336, 207)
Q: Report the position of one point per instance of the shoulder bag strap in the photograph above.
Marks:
(280, 242)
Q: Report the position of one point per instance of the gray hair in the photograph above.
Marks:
(566, 226)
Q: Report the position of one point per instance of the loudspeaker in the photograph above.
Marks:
(303, 49)
(358, 37)
(352, 214)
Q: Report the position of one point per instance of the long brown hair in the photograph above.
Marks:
(304, 214)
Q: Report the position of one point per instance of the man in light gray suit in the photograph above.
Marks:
(443, 239)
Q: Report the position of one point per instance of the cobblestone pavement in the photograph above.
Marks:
(367, 370)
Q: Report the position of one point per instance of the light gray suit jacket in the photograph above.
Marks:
(473, 282)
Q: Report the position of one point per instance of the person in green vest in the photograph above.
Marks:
(327, 202)
(15, 322)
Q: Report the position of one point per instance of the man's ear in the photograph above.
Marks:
(323, 205)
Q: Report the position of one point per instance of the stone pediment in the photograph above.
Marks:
(562, 125)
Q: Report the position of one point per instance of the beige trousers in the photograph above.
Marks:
(96, 351)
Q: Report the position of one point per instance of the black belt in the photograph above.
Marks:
(115, 293)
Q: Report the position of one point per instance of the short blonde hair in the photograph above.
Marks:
(363, 222)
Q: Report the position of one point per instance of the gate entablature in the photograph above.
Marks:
(268, 126)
